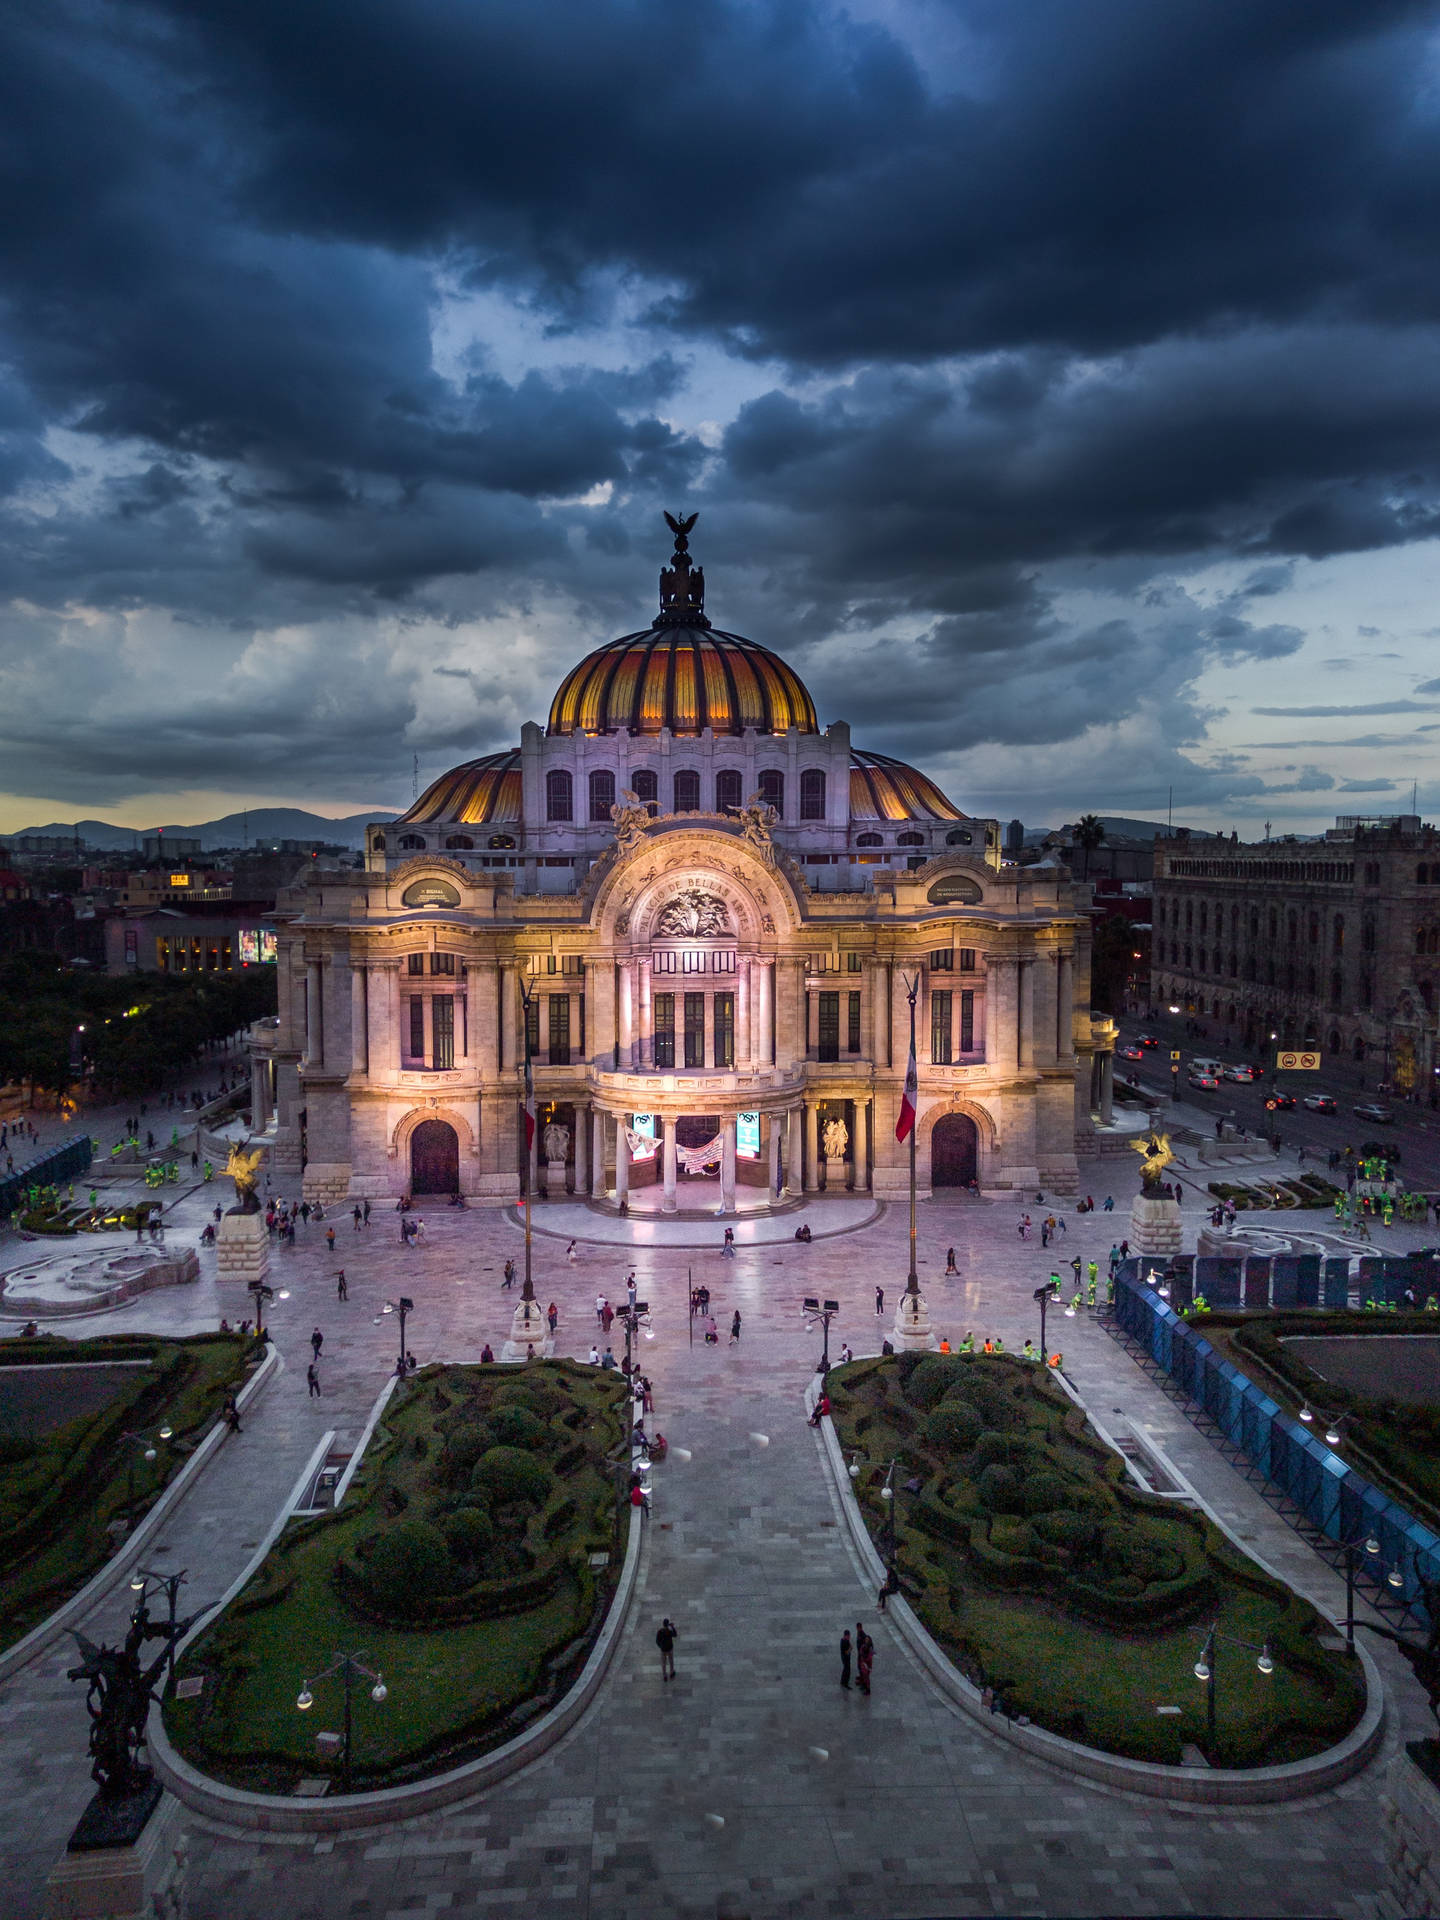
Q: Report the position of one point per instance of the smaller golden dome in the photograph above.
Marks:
(478, 793)
(886, 789)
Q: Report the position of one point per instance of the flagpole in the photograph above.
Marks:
(526, 995)
(912, 1283)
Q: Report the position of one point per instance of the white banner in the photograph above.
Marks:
(697, 1159)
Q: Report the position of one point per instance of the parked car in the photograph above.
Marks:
(1382, 1116)
(1131, 1053)
(1242, 1074)
(1320, 1103)
(1207, 1081)
(1280, 1102)
(1148, 1040)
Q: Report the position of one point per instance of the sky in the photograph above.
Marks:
(1057, 382)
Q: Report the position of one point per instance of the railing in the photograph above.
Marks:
(48, 1169)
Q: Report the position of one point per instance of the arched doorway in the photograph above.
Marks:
(434, 1158)
(954, 1149)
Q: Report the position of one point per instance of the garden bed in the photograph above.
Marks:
(1305, 1190)
(65, 1481)
(1045, 1574)
(462, 1563)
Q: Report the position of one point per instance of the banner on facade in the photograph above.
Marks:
(697, 1159)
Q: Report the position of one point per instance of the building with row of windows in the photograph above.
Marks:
(703, 916)
(1335, 942)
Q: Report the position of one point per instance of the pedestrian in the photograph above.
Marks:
(317, 1340)
(845, 1651)
(312, 1374)
(357, 1217)
(330, 1238)
(648, 1404)
(665, 1639)
(552, 1314)
(342, 1292)
(735, 1328)
(365, 1213)
(570, 1253)
(607, 1316)
(846, 1356)
(600, 1309)
(1044, 1233)
(879, 1300)
(230, 1414)
(864, 1657)
(950, 1266)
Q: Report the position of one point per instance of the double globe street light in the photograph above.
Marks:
(347, 1665)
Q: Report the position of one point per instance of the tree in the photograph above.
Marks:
(1087, 834)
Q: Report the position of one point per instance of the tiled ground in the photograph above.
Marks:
(831, 1804)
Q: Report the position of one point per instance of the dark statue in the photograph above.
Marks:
(682, 587)
(118, 1699)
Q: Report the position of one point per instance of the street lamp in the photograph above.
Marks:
(147, 1449)
(890, 1495)
(1358, 1552)
(1043, 1296)
(403, 1306)
(145, 1582)
(634, 1315)
(260, 1292)
(347, 1665)
(813, 1313)
(1205, 1670)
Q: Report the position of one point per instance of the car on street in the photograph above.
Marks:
(1131, 1053)
(1206, 1080)
(1148, 1040)
(1280, 1103)
(1320, 1103)
(1371, 1110)
(1243, 1075)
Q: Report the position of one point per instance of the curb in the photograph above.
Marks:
(1211, 1786)
(127, 1554)
(281, 1813)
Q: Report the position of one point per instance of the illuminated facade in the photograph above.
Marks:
(711, 908)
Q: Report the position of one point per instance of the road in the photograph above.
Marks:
(1415, 1130)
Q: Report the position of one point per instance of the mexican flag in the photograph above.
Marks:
(912, 1088)
(529, 1106)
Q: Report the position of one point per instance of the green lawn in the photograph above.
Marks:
(458, 1567)
(62, 1485)
(1081, 1599)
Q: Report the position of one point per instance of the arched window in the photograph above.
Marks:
(1234, 969)
(1314, 929)
(602, 794)
(1367, 935)
(1274, 925)
(378, 843)
(502, 840)
(907, 839)
(412, 843)
(812, 794)
(1338, 940)
(559, 795)
(1292, 927)
(460, 843)
(1204, 917)
(687, 791)
(869, 840)
(1337, 993)
(1189, 915)
(727, 791)
(645, 785)
(960, 837)
(772, 790)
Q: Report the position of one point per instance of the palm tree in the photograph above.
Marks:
(1088, 832)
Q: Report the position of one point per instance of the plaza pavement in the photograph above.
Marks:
(915, 1811)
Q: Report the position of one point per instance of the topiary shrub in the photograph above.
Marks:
(517, 1426)
(932, 1379)
(408, 1564)
(1014, 1449)
(511, 1477)
(464, 1444)
(990, 1401)
(469, 1532)
(999, 1488)
(1044, 1491)
(1078, 1533)
(953, 1426)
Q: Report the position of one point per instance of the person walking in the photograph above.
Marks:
(330, 1238)
(570, 1253)
(365, 1213)
(312, 1374)
(600, 1309)
(879, 1300)
(342, 1292)
(358, 1218)
(950, 1266)
(735, 1328)
(552, 1314)
(665, 1638)
(845, 1652)
(864, 1657)
(607, 1317)
(317, 1340)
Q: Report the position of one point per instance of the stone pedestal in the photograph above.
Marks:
(529, 1330)
(911, 1332)
(138, 1880)
(1154, 1224)
(327, 1182)
(242, 1246)
(554, 1179)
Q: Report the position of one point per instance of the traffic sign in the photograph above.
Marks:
(1298, 1062)
(1175, 1056)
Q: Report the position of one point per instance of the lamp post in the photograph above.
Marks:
(912, 1090)
(813, 1312)
(633, 1316)
(1357, 1552)
(1043, 1296)
(145, 1582)
(260, 1292)
(403, 1306)
(527, 1000)
(148, 1450)
(1205, 1670)
(347, 1665)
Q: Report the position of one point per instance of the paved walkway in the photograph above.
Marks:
(912, 1810)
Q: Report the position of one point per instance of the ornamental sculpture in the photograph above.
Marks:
(693, 915)
(557, 1141)
(1156, 1154)
(682, 587)
(756, 821)
(118, 1695)
(632, 821)
(244, 1169)
(835, 1139)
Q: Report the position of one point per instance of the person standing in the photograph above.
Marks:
(312, 1374)
(365, 1213)
(330, 1239)
(879, 1301)
(735, 1328)
(552, 1314)
(950, 1266)
(665, 1638)
(317, 1340)
(845, 1651)
(864, 1657)
(358, 1217)
(342, 1292)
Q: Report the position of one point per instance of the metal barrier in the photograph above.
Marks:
(50, 1169)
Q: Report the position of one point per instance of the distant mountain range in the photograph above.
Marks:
(260, 827)
(1117, 825)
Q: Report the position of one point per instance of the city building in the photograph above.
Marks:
(1334, 941)
(704, 911)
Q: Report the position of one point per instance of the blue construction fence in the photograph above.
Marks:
(53, 1168)
(1264, 1281)
(1331, 1495)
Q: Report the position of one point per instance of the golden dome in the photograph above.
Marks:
(886, 789)
(476, 794)
(685, 679)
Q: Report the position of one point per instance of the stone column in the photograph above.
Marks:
(510, 1048)
(359, 1020)
(1025, 1025)
(1064, 1007)
(670, 1203)
(259, 1092)
(773, 1121)
(1107, 1088)
(879, 984)
(394, 1050)
(812, 1147)
(598, 1186)
(644, 1045)
(727, 1164)
(744, 1039)
(794, 1120)
(860, 1146)
(582, 1151)
(314, 1015)
(626, 1012)
(764, 1050)
(1003, 1009)
(600, 1013)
